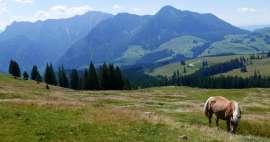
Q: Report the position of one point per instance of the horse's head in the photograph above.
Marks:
(235, 117)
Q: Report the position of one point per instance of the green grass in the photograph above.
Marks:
(30, 113)
(196, 64)
(182, 45)
(133, 54)
(261, 66)
(238, 44)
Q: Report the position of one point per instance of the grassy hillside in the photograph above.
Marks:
(255, 42)
(261, 66)
(182, 45)
(31, 113)
(191, 65)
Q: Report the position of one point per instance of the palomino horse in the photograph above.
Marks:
(225, 110)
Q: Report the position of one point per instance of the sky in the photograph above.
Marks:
(236, 12)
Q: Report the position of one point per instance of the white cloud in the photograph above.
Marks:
(117, 6)
(136, 9)
(3, 10)
(3, 7)
(246, 10)
(57, 12)
(25, 1)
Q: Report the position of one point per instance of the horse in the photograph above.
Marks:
(223, 109)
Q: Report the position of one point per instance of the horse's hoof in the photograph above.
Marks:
(184, 137)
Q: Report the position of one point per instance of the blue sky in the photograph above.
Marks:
(237, 12)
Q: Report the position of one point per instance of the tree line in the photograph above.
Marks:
(107, 77)
(221, 68)
(222, 82)
(204, 78)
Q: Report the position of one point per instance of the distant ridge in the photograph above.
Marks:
(130, 39)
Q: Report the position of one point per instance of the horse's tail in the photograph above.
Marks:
(206, 106)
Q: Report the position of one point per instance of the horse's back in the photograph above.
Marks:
(219, 103)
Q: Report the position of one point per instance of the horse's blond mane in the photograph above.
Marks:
(236, 112)
(205, 107)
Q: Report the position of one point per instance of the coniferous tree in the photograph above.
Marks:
(11, 67)
(14, 69)
(38, 78)
(104, 77)
(119, 81)
(49, 75)
(127, 85)
(244, 69)
(111, 77)
(205, 64)
(16, 72)
(62, 78)
(185, 70)
(54, 80)
(34, 73)
(74, 80)
(85, 81)
(25, 76)
(268, 54)
(183, 62)
(80, 84)
(93, 77)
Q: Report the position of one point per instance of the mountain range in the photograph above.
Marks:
(126, 39)
(44, 41)
(131, 39)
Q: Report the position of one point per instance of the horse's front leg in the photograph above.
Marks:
(228, 125)
(210, 118)
(217, 122)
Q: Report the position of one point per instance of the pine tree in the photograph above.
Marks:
(62, 78)
(25, 76)
(268, 54)
(38, 78)
(85, 82)
(49, 75)
(112, 78)
(16, 70)
(127, 85)
(93, 78)
(244, 69)
(34, 73)
(119, 81)
(205, 64)
(11, 67)
(183, 62)
(185, 70)
(74, 80)
(104, 77)
(80, 87)
(54, 80)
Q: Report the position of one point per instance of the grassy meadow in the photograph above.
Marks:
(191, 65)
(261, 66)
(30, 113)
